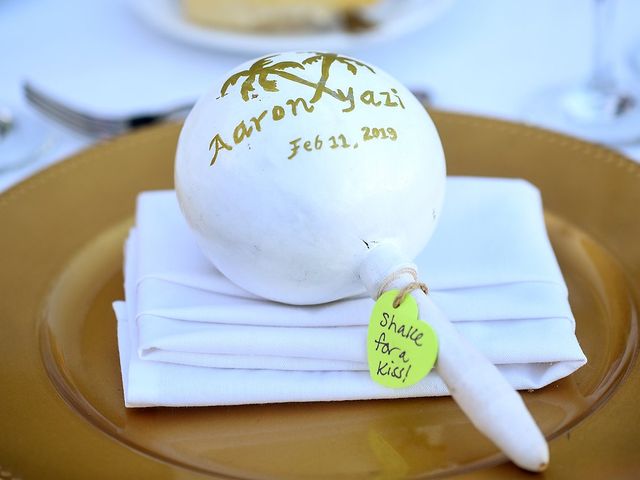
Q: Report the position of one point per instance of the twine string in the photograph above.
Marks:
(408, 288)
(404, 291)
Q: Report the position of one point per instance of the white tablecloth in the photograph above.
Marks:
(482, 57)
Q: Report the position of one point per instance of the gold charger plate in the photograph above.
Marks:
(61, 408)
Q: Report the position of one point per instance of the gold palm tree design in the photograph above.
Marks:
(328, 59)
(259, 71)
(265, 67)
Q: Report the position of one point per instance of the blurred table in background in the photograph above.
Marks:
(485, 58)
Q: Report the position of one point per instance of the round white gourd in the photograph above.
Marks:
(295, 165)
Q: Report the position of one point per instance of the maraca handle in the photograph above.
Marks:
(484, 395)
(476, 385)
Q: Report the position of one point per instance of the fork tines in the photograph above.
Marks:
(76, 119)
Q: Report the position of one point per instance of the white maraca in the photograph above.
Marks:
(308, 177)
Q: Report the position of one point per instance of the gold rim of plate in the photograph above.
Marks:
(61, 402)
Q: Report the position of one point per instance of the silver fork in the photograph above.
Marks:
(100, 126)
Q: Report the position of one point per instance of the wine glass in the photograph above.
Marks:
(24, 136)
(599, 109)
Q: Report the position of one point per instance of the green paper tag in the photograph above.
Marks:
(401, 349)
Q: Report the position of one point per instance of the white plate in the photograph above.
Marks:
(403, 17)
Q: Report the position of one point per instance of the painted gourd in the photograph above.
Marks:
(294, 166)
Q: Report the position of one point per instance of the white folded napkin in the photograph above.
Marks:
(188, 336)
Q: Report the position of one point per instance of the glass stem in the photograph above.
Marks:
(602, 76)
